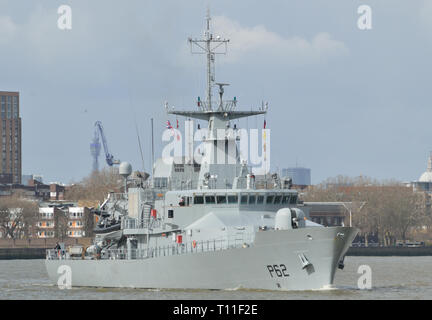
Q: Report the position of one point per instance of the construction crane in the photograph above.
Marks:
(95, 147)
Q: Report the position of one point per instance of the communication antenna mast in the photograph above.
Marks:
(208, 46)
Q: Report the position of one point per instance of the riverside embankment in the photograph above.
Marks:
(16, 249)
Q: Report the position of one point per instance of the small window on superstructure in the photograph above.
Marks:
(244, 199)
(232, 199)
(198, 200)
(270, 199)
(252, 199)
(221, 199)
(210, 199)
(170, 214)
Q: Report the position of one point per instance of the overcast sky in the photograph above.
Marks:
(341, 100)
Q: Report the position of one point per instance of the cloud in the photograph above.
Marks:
(248, 42)
(7, 29)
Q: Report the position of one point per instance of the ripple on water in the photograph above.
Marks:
(392, 278)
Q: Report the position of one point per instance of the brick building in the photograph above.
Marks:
(10, 142)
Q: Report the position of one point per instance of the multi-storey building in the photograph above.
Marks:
(77, 221)
(46, 224)
(64, 220)
(10, 142)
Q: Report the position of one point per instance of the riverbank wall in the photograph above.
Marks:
(390, 251)
(16, 249)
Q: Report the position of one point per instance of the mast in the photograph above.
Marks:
(209, 46)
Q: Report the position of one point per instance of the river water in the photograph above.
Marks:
(391, 278)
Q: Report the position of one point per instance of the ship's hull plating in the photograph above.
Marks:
(273, 262)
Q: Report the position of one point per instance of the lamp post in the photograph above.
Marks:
(350, 210)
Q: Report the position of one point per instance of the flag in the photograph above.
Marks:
(169, 126)
(265, 124)
(177, 124)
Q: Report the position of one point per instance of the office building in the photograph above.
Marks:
(10, 143)
(300, 176)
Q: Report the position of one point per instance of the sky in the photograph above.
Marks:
(342, 100)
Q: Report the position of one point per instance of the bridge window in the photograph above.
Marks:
(270, 199)
(293, 199)
(252, 199)
(210, 199)
(260, 199)
(198, 200)
(232, 199)
(277, 199)
(244, 199)
(285, 198)
(221, 199)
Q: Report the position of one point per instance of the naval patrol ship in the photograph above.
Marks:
(206, 224)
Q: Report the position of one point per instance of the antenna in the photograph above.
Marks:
(208, 46)
(152, 145)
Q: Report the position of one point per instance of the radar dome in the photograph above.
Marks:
(125, 169)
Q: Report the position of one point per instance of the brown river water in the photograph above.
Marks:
(391, 278)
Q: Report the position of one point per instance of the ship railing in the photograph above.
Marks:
(118, 196)
(244, 241)
(133, 223)
(56, 254)
(190, 247)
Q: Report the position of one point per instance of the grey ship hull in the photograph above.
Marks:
(248, 268)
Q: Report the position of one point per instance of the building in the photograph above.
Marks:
(10, 143)
(424, 183)
(56, 191)
(301, 177)
(26, 178)
(78, 220)
(329, 214)
(46, 224)
(63, 219)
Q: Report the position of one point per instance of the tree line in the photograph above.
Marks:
(390, 210)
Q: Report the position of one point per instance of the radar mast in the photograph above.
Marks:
(209, 46)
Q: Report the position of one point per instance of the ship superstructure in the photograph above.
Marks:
(206, 224)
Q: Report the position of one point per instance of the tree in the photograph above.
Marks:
(391, 209)
(96, 186)
(17, 217)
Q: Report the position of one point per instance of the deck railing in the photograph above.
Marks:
(132, 223)
(191, 247)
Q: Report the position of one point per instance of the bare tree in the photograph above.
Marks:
(391, 209)
(96, 186)
(17, 217)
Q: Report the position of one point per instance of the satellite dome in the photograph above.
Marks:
(125, 169)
